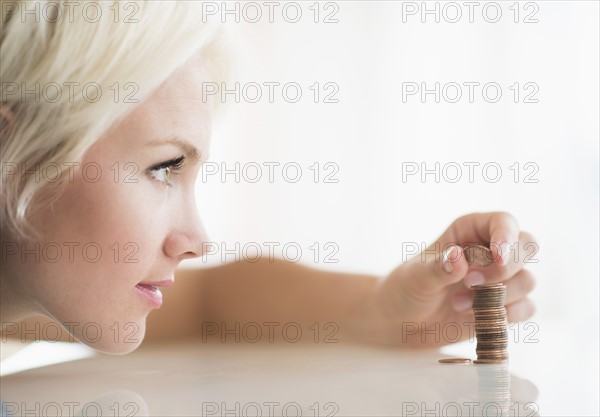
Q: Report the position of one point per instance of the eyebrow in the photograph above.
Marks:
(189, 150)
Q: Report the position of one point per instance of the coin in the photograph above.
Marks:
(455, 360)
(478, 255)
(490, 286)
(490, 361)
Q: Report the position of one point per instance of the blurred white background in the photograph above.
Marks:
(371, 131)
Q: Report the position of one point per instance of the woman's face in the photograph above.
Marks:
(127, 223)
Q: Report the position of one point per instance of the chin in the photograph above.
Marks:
(115, 338)
(116, 348)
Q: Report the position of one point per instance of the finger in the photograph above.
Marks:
(519, 286)
(520, 310)
(462, 301)
(498, 229)
(437, 272)
(520, 255)
(504, 232)
(517, 289)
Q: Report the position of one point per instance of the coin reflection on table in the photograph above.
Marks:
(493, 389)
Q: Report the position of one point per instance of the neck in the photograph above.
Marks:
(15, 305)
(12, 306)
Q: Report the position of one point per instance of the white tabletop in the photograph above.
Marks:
(213, 379)
(557, 374)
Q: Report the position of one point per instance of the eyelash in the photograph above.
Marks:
(173, 166)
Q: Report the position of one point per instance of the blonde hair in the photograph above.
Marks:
(55, 44)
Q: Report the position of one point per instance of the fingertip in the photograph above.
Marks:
(505, 253)
(502, 237)
(453, 263)
(497, 248)
(462, 301)
(474, 278)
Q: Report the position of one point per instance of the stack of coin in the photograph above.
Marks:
(490, 323)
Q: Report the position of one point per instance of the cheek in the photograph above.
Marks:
(96, 249)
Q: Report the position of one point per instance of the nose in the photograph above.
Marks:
(187, 238)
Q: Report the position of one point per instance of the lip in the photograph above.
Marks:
(151, 292)
(164, 283)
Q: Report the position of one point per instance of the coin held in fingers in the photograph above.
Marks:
(478, 255)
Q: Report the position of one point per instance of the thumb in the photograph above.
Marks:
(440, 271)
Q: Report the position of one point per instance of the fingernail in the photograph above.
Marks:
(505, 252)
(446, 263)
(474, 278)
(462, 302)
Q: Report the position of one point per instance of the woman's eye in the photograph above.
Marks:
(163, 172)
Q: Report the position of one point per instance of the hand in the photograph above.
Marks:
(432, 290)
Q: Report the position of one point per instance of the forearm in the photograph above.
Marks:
(280, 293)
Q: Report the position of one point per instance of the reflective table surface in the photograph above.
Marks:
(191, 378)
(553, 371)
